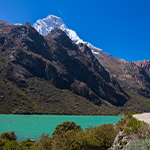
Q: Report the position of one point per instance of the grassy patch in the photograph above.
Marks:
(139, 145)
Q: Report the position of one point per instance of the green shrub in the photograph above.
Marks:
(65, 126)
(10, 145)
(134, 126)
(2, 143)
(45, 143)
(129, 124)
(8, 141)
(25, 145)
(8, 135)
(89, 128)
(144, 131)
(101, 137)
(129, 113)
(73, 140)
(70, 136)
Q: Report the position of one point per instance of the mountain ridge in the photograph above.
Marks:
(56, 59)
(134, 76)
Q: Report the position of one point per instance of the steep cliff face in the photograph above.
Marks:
(57, 59)
(84, 67)
(134, 76)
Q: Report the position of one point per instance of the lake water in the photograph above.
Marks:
(33, 126)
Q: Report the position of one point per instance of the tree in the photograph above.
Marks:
(9, 135)
(65, 126)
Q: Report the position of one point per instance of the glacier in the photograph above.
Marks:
(45, 25)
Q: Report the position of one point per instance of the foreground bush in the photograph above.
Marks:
(66, 126)
(45, 143)
(8, 135)
(8, 142)
(69, 136)
(72, 137)
(133, 130)
(131, 125)
(101, 137)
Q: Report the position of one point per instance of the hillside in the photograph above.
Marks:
(52, 75)
(132, 76)
(58, 64)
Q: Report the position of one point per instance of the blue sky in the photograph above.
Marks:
(119, 27)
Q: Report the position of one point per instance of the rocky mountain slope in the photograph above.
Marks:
(5, 27)
(132, 76)
(29, 60)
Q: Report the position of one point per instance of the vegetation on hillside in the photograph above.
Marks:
(135, 131)
(38, 96)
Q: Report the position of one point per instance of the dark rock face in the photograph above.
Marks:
(61, 37)
(2, 39)
(57, 59)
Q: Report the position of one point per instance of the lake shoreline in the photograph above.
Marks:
(33, 126)
(62, 114)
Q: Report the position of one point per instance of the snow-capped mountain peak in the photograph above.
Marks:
(44, 26)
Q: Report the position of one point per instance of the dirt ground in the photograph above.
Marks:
(143, 117)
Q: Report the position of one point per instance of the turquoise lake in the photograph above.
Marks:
(33, 126)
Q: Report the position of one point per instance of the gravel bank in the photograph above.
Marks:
(143, 117)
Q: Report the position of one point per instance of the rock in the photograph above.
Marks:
(120, 141)
(2, 97)
(117, 145)
(28, 24)
(126, 139)
(22, 102)
(134, 76)
(31, 140)
(119, 136)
